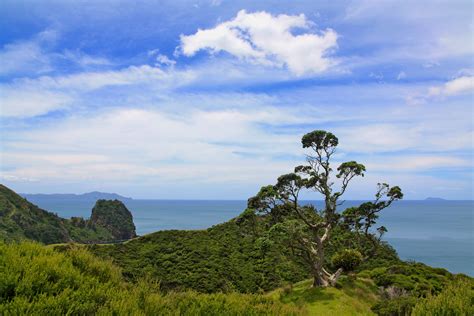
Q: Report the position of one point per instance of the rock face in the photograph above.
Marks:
(115, 217)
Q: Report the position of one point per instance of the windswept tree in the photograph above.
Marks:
(305, 229)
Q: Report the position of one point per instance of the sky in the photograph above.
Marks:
(210, 99)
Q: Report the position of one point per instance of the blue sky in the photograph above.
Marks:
(209, 99)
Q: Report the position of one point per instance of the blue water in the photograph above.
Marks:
(438, 233)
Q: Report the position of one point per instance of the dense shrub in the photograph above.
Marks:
(400, 306)
(219, 259)
(416, 278)
(456, 299)
(36, 280)
(347, 259)
(404, 284)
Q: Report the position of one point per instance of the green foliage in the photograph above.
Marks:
(36, 280)
(399, 306)
(415, 278)
(224, 258)
(346, 168)
(247, 254)
(405, 283)
(456, 299)
(347, 259)
(319, 139)
(20, 220)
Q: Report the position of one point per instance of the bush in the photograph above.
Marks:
(456, 299)
(400, 306)
(348, 259)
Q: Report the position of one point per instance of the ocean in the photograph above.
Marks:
(438, 233)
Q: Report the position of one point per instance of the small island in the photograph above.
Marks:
(435, 199)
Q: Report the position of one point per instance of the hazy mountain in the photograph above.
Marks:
(91, 196)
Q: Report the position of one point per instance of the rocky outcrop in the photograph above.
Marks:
(114, 216)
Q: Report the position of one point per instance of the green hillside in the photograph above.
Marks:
(22, 220)
(234, 256)
(37, 280)
(226, 257)
(221, 258)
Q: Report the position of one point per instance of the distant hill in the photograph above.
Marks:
(91, 196)
(21, 219)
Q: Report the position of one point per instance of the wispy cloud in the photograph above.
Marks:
(27, 56)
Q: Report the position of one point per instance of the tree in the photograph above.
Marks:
(360, 219)
(303, 228)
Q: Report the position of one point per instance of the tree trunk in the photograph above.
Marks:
(319, 281)
(322, 278)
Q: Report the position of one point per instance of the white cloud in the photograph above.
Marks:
(164, 60)
(264, 39)
(196, 145)
(456, 86)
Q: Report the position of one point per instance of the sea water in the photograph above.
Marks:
(438, 233)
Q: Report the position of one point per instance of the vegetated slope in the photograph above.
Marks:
(225, 257)
(20, 219)
(361, 296)
(221, 258)
(37, 280)
(234, 257)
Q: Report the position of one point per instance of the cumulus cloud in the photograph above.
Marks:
(264, 39)
(456, 86)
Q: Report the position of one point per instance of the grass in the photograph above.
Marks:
(351, 297)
